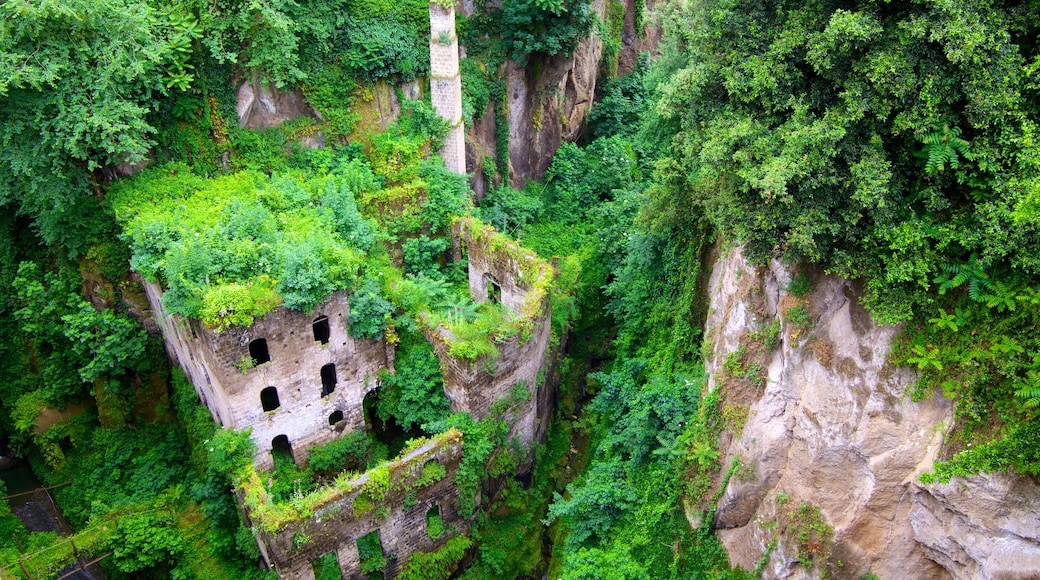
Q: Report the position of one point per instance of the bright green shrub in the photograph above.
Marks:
(385, 47)
(232, 248)
(146, 541)
(369, 311)
(233, 304)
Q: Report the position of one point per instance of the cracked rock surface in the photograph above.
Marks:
(834, 426)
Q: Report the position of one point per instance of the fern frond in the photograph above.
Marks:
(972, 272)
(943, 147)
(1031, 394)
(1002, 298)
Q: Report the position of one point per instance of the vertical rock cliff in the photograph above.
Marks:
(831, 444)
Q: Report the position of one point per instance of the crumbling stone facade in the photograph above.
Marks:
(235, 371)
(446, 84)
(400, 518)
(503, 271)
(309, 391)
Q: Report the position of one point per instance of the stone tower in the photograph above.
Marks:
(446, 82)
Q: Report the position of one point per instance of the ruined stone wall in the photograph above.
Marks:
(446, 84)
(214, 363)
(337, 524)
(522, 278)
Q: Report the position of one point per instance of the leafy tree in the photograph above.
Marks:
(78, 80)
(270, 39)
(414, 395)
(369, 311)
(878, 141)
(544, 27)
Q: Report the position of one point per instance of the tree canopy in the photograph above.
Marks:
(880, 139)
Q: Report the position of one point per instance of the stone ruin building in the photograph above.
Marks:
(299, 379)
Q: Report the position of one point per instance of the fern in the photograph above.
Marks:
(925, 358)
(943, 147)
(1030, 391)
(1001, 297)
(947, 321)
(972, 272)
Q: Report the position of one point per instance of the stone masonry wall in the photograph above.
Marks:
(213, 362)
(446, 84)
(335, 526)
(475, 386)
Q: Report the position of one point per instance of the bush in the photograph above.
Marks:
(146, 541)
(380, 48)
(349, 452)
(369, 311)
(545, 28)
(422, 256)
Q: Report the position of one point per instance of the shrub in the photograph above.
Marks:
(369, 311)
(379, 48)
(348, 452)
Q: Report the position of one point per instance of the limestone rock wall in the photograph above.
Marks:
(832, 425)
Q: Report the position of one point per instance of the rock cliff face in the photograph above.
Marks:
(548, 102)
(830, 426)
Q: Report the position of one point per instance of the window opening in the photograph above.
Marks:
(385, 429)
(494, 291)
(281, 449)
(258, 351)
(370, 553)
(434, 523)
(269, 399)
(328, 379)
(321, 329)
(335, 417)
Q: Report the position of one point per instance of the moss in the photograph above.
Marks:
(398, 476)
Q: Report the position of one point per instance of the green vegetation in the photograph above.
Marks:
(889, 143)
(437, 565)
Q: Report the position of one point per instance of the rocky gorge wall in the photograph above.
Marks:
(825, 422)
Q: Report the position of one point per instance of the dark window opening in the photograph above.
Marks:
(384, 427)
(258, 351)
(434, 523)
(281, 449)
(327, 567)
(370, 553)
(269, 399)
(321, 329)
(335, 417)
(494, 291)
(328, 379)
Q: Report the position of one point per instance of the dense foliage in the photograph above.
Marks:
(888, 142)
(883, 141)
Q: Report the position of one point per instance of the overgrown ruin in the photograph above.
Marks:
(298, 379)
